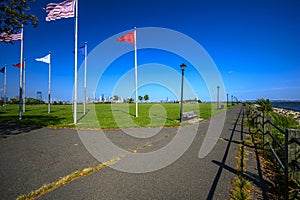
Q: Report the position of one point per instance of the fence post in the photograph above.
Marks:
(256, 119)
(293, 153)
(260, 121)
(286, 164)
(266, 130)
(263, 122)
(249, 116)
(264, 127)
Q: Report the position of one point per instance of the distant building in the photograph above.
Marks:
(39, 95)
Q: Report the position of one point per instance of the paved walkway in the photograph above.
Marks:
(32, 157)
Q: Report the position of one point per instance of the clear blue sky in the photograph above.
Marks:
(255, 45)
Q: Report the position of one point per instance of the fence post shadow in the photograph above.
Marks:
(222, 164)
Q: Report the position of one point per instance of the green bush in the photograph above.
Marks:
(264, 105)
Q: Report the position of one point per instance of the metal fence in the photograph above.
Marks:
(286, 152)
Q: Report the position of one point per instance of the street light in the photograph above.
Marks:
(182, 66)
(218, 101)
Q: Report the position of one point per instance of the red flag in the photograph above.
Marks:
(129, 37)
(18, 65)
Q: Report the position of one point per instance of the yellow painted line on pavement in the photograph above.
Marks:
(67, 179)
(47, 188)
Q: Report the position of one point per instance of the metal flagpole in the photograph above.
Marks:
(24, 87)
(85, 62)
(4, 100)
(21, 82)
(136, 77)
(49, 80)
(75, 63)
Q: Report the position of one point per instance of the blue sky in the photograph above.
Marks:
(254, 44)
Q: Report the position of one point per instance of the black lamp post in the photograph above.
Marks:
(182, 66)
(218, 99)
(227, 100)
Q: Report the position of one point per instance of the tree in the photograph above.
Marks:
(33, 101)
(115, 98)
(140, 98)
(14, 14)
(146, 97)
(130, 100)
(264, 105)
(14, 100)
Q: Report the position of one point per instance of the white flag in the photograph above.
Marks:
(45, 59)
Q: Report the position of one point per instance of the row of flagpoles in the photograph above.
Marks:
(65, 9)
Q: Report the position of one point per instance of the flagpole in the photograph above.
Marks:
(75, 63)
(136, 77)
(21, 69)
(24, 87)
(4, 100)
(49, 81)
(85, 62)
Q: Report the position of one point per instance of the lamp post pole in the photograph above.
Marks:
(182, 66)
(218, 100)
(227, 100)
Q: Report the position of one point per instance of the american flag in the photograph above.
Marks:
(6, 37)
(64, 9)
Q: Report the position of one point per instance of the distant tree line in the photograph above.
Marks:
(31, 101)
(28, 101)
(131, 100)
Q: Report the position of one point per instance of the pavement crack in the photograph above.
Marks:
(47, 188)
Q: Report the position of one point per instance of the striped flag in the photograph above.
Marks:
(64, 9)
(5, 37)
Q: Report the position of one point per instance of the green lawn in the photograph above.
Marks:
(104, 115)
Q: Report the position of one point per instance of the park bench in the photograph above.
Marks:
(188, 115)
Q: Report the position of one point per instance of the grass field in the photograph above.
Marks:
(104, 115)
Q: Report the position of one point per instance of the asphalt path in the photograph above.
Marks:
(32, 156)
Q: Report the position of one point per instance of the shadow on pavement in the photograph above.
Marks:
(7, 130)
(222, 163)
(11, 125)
(255, 178)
